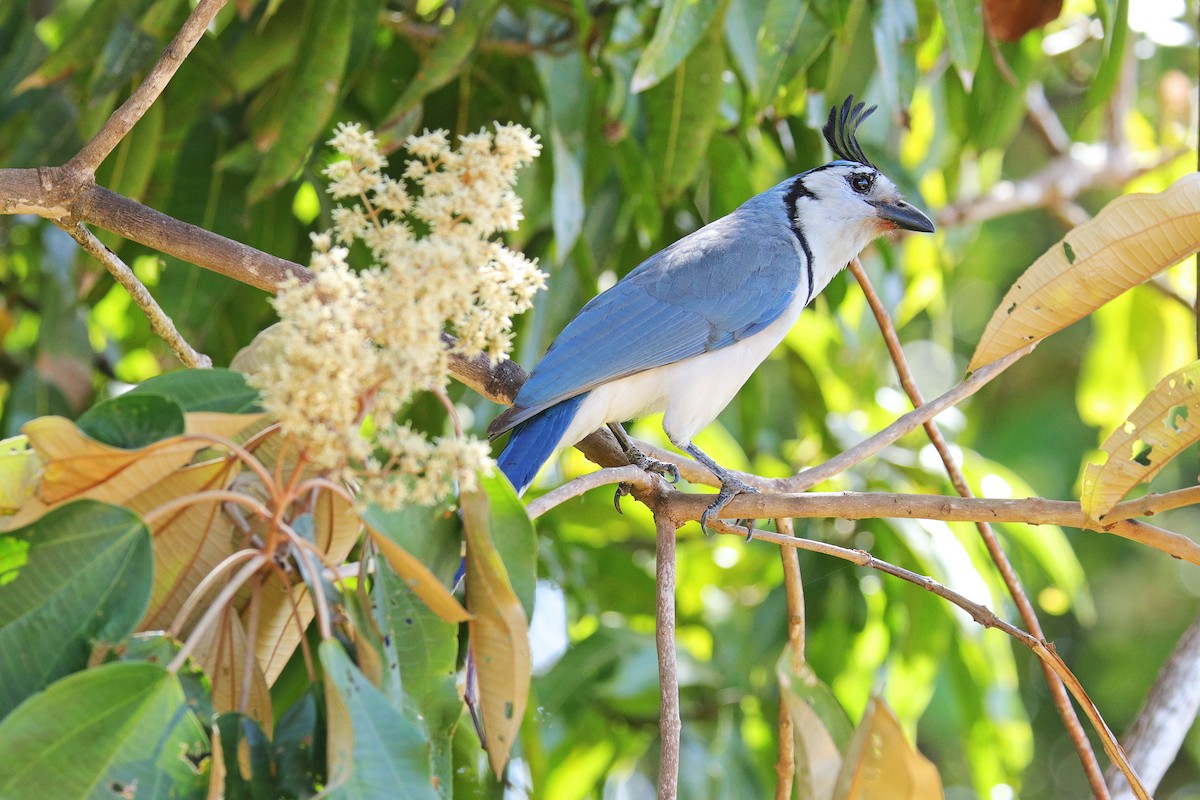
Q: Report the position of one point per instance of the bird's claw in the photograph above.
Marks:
(623, 489)
(730, 489)
(639, 459)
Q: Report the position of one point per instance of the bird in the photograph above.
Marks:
(683, 331)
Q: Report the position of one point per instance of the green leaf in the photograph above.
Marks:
(681, 24)
(424, 649)
(299, 741)
(310, 93)
(114, 731)
(895, 34)
(448, 58)
(567, 98)
(430, 534)
(682, 114)
(132, 421)
(81, 574)
(83, 40)
(819, 724)
(1109, 71)
(742, 23)
(221, 390)
(964, 33)
(514, 536)
(246, 752)
(791, 38)
(374, 750)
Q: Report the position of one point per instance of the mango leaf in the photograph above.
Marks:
(567, 98)
(448, 57)
(1160, 428)
(310, 92)
(78, 576)
(424, 649)
(189, 543)
(964, 35)
(513, 534)
(374, 750)
(881, 763)
(20, 468)
(120, 729)
(1113, 56)
(819, 725)
(681, 24)
(82, 41)
(682, 114)
(419, 579)
(239, 742)
(133, 421)
(743, 19)
(1132, 238)
(222, 652)
(499, 635)
(895, 34)
(791, 38)
(221, 390)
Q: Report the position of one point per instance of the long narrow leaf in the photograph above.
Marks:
(1132, 239)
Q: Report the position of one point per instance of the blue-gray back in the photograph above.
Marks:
(714, 287)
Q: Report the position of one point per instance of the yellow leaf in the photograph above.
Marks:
(499, 635)
(818, 726)
(222, 653)
(1162, 426)
(879, 762)
(279, 630)
(336, 526)
(78, 466)
(420, 579)
(217, 423)
(189, 543)
(20, 468)
(1132, 239)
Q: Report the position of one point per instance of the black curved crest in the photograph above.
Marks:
(840, 129)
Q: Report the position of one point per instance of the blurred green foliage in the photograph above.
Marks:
(729, 97)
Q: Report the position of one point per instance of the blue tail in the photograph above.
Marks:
(533, 441)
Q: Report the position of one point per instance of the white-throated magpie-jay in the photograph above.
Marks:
(683, 332)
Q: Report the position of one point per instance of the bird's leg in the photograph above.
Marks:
(731, 487)
(639, 459)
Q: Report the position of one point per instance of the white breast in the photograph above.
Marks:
(690, 393)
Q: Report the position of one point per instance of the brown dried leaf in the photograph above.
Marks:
(279, 631)
(1160, 428)
(418, 577)
(222, 652)
(1009, 20)
(1132, 239)
(189, 543)
(879, 762)
(499, 635)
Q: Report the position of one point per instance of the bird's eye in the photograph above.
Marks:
(861, 183)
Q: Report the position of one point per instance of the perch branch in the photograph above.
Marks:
(669, 722)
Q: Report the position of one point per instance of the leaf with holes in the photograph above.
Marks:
(1160, 428)
(1132, 239)
(114, 731)
(499, 635)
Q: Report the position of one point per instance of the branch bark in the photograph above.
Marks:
(669, 722)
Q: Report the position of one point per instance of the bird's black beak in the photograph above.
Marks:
(904, 216)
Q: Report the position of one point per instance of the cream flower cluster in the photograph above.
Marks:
(353, 346)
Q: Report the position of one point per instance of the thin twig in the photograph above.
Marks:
(669, 723)
(207, 496)
(980, 613)
(585, 483)
(320, 602)
(197, 594)
(160, 322)
(124, 118)
(216, 609)
(1012, 581)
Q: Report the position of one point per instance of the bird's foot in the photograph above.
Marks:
(623, 489)
(731, 487)
(665, 468)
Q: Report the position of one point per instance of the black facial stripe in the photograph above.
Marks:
(797, 191)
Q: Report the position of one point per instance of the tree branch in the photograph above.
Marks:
(124, 118)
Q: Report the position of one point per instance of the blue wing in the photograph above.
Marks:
(717, 286)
